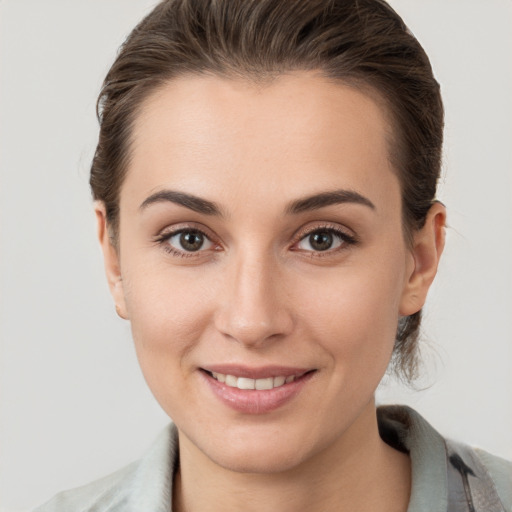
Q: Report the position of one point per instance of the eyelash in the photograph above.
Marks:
(165, 236)
(346, 240)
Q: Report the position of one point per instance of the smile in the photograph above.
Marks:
(258, 384)
(255, 391)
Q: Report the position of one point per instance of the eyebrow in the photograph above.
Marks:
(189, 201)
(205, 207)
(317, 201)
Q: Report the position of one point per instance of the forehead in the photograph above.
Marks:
(295, 132)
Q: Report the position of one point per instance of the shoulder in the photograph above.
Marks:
(500, 471)
(106, 493)
(145, 484)
(485, 479)
(456, 471)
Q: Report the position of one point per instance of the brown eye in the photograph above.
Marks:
(323, 240)
(189, 241)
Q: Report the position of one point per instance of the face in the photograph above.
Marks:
(262, 264)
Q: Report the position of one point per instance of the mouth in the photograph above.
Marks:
(256, 390)
(261, 384)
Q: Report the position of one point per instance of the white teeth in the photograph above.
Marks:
(264, 383)
(231, 381)
(219, 376)
(259, 384)
(244, 383)
(279, 381)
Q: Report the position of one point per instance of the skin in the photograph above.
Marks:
(258, 293)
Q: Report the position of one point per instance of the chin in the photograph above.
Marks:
(258, 449)
(252, 459)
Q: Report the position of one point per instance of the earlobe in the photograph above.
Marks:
(428, 245)
(111, 260)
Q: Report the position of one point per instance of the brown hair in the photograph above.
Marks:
(363, 43)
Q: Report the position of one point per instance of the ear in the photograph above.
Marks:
(111, 260)
(428, 245)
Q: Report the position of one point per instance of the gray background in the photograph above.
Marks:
(73, 403)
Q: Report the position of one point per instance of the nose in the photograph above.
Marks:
(254, 307)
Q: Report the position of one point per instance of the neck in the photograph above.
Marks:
(357, 472)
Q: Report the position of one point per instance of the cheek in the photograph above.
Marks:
(168, 312)
(354, 315)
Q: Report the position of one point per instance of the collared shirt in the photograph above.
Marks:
(146, 485)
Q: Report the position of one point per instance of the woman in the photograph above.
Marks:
(265, 187)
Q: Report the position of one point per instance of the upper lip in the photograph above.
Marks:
(260, 372)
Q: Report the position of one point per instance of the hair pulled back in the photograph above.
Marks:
(362, 43)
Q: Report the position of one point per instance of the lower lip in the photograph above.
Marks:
(252, 401)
